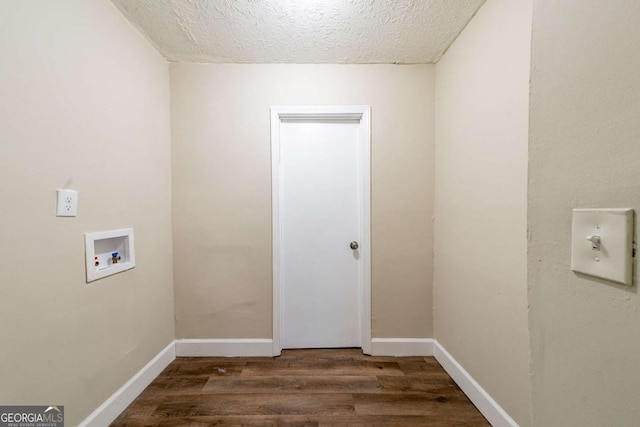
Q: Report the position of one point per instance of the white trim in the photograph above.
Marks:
(362, 113)
(118, 402)
(298, 116)
(365, 217)
(224, 347)
(402, 346)
(493, 412)
(275, 230)
(330, 112)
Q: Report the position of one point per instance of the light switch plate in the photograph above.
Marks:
(602, 244)
(67, 203)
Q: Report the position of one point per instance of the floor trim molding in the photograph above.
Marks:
(251, 347)
(493, 412)
(118, 402)
(402, 346)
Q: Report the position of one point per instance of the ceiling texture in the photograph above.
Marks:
(301, 31)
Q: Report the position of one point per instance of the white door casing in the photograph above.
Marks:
(352, 124)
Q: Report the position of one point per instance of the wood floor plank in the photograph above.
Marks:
(448, 405)
(313, 366)
(176, 385)
(257, 404)
(293, 384)
(421, 384)
(242, 420)
(204, 368)
(398, 421)
(427, 366)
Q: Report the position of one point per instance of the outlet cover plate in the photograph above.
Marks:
(613, 260)
(67, 203)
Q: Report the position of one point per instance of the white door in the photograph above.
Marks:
(319, 218)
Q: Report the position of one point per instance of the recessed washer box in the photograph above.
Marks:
(109, 252)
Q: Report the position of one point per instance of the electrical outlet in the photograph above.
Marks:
(67, 203)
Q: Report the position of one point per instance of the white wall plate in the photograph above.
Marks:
(109, 252)
(602, 244)
(66, 203)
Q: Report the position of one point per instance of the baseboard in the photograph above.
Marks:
(118, 402)
(493, 412)
(402, 346)
(224, 347)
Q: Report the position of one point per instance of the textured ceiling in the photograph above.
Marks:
(300, 31)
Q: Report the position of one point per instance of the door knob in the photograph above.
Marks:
(354, 245)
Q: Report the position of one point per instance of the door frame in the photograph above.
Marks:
(361, 113)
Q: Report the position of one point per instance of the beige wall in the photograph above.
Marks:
(84, 105)
(584, 152)
(482, 87)
(222, 190)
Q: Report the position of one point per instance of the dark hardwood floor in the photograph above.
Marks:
(303, 388)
